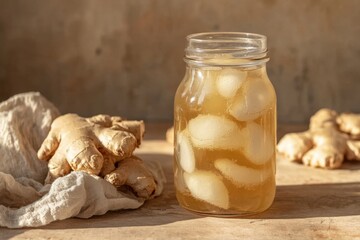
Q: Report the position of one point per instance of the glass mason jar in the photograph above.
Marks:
(225, 126)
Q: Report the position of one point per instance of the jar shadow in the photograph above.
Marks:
(314, 200)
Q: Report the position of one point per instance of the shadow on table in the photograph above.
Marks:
(346, 165)
(351, 165)
(159, 211)
(314, 200)
(291, 202)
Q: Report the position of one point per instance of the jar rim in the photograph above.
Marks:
(224, 36)
(233, 47)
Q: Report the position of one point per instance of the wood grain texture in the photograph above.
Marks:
(310, 204)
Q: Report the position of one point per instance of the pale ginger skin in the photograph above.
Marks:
(329, 149)
(132, 172)
(295, 145)
(323, 145)
(93, 145)
(350, 123)
(324, 118)
(353, 150)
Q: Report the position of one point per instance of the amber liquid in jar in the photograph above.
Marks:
(225, 136)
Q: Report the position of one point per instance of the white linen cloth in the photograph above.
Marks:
(25, 120)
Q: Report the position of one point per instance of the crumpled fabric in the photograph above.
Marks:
(25, 120)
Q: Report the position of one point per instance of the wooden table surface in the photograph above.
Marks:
(309, 204)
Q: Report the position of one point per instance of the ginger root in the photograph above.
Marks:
(294, 145)
(329, 141)
(328, 151)
(350, 123)
(96, 145)
(324, 118)
(132, 172)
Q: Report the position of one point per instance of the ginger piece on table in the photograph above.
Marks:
(132, 172)
(353, 150)
(350, 123)
(330, 140)
(324, 118)
(329, 149)
(92, 145)
(293, 146)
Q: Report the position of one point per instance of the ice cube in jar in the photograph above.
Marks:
(225, 137)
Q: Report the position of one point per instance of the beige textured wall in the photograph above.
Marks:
(125, 57)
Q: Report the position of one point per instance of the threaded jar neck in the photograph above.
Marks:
(226, 49)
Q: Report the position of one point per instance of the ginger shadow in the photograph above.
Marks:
(159, 211)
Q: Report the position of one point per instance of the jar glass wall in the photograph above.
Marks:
(225, 126)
